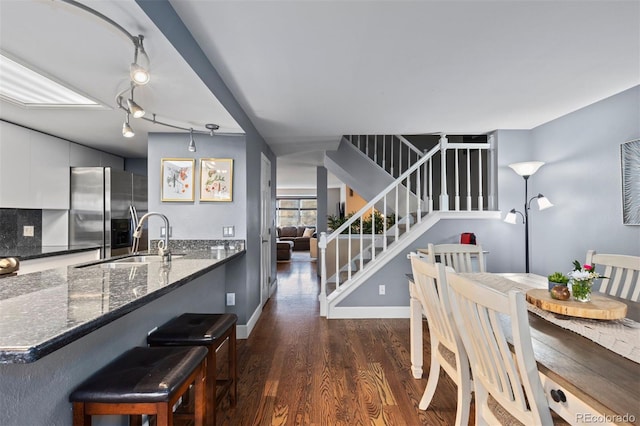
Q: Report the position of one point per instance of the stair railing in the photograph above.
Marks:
(412, 193)
(393, 153)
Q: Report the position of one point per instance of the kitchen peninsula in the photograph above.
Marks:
(59, 326)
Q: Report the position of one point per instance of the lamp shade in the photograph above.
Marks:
(511, 217)
(543, 202)
(526, 168)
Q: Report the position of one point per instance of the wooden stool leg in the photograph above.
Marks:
(211, 383)
(80, 418)
(200, 395)
(164, 415)
(233, 366)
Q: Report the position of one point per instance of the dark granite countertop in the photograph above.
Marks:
(28, 253)
(44, 311)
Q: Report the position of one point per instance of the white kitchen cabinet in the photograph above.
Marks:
(49, 167)
(14, 165)
(110, 160)
(82, 156)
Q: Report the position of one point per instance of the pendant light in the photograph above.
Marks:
(192, 143)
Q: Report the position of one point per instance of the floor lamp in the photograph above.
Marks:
(525, 170)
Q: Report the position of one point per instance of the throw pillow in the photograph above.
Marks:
(308, 232)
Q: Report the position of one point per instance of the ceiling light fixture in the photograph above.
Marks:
(24, 86)
(136, 110)
(127, 131)
(139, 74)
(139, 70)
(192, 143)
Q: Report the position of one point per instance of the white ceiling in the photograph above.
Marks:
(307, 72)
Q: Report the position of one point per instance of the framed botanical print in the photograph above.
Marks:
(216, 179)
(177, 179)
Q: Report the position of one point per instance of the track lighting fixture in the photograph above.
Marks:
(139, 74)
(139, 70)
(127, 131)
(192, 143)
(136, 110)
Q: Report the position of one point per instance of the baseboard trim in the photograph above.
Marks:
(244, 331)
(368, 312)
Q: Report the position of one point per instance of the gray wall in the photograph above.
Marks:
(247, 275)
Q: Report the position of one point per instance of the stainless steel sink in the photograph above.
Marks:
(136, 259)
(144, 258)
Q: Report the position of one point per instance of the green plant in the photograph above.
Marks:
(334, 222)
(558, 277)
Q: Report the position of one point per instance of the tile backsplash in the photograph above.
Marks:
(12, 223)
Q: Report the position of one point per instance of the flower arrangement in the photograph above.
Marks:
(582, 278)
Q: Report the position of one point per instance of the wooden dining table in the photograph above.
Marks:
(585, 383)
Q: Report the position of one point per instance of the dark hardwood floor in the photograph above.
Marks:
(297, 368)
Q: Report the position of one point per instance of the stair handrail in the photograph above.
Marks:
(324, 240)
(383, 193)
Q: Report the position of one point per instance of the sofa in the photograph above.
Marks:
(299, 235)
(284, 249)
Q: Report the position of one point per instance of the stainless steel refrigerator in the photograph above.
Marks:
(105, 207)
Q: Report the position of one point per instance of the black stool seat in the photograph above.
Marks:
(192, 330)
(212, 331)
(142, 374)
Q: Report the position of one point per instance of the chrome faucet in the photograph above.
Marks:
(163, 246)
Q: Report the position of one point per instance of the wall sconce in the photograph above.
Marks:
(525, 170)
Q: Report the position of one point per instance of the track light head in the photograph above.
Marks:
(127, 131)
(192, 142)
(139, 69)
(136, 110)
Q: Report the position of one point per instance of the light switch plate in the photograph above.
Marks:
(228, 231)
(231, 299)
(27, 231)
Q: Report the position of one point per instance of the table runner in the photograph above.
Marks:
(620, 336)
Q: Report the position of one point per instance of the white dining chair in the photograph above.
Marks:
(447, 351)
(622, 274)
(458, 256)
(506, 387)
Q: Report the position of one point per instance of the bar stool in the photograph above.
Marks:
(144, 380)
(210, 330)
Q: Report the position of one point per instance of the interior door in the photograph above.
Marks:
(265, 229)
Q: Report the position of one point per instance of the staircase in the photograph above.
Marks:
(447, 181)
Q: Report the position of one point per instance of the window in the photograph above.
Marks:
(292, 211)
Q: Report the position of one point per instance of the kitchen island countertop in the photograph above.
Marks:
(29, 253)
(44, 311)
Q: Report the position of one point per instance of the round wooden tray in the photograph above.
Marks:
(600, 307)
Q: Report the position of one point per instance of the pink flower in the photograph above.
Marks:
(587, 267)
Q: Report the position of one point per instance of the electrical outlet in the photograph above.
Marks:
(381, 290)
(231, 299)
(163, 230)
(27, 231)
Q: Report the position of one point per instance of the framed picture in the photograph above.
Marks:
(216, 179)
(177, 179)
(630, 157)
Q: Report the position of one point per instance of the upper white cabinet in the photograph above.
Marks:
(82, 156)
(15, 160)
(110, 160)
(34, 167)
(49, 172)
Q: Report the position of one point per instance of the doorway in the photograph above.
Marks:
(266, 222)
